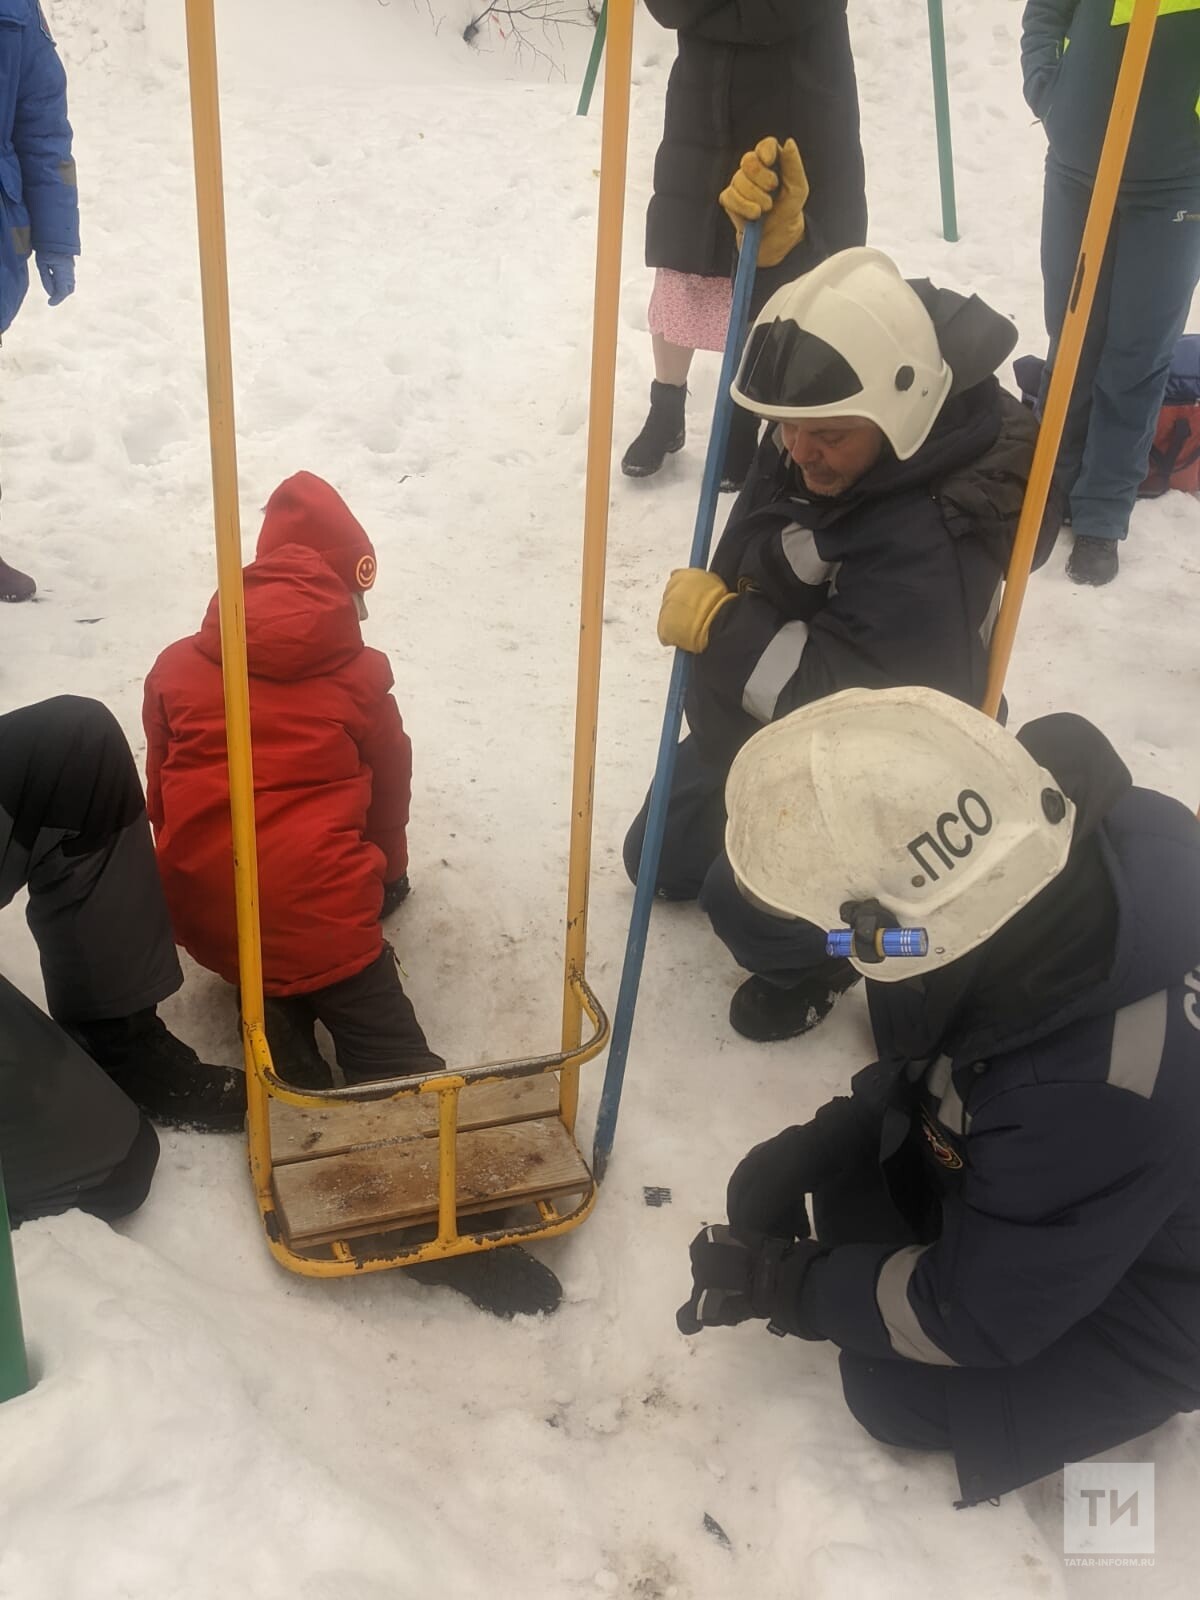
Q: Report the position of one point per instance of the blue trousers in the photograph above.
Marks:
(1150, 270)
(694, 866)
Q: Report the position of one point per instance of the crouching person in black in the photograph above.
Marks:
(1006, 1208)
(867, 549)
(78, 1087)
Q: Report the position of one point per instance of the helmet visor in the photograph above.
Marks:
(786, 366)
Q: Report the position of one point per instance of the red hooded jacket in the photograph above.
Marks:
(332, 773)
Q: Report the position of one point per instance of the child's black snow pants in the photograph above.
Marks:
(374, 1028)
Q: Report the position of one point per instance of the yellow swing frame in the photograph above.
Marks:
(504, 1131)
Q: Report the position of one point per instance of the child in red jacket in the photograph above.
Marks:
(332, 772)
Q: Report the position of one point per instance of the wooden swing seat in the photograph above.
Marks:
(345, 1171)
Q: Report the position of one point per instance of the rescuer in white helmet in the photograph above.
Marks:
(867, 549)
(1005, 1211)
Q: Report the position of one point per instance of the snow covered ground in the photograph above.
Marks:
(412, 233)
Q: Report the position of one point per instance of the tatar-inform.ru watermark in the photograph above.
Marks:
(1108, 1513)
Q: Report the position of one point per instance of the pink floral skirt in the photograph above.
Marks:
(689, 310)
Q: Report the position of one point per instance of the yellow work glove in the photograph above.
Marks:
(751, 194)
(691, 600)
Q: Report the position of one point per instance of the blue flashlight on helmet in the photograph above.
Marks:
(873, 935)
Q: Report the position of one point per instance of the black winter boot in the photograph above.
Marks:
(15, 586)
(662, 432)
(740, 449)
(766, 1011)
(1093, 561)
(163, 1076)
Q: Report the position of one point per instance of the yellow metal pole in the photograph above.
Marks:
(614, 146)
(214, 283)
(448, 1162)
(1070, 344)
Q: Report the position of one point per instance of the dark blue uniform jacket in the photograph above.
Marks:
(1071, 54)
(896, 581)
(1048, 1161)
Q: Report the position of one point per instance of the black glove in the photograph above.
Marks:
(768, 1188)
(394, 894)
(734, 1280)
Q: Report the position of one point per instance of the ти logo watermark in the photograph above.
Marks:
(1108, 1513)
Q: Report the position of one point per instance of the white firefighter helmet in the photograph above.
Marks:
(904, 797)
(848, 339)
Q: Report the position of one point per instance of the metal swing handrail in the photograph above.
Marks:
(263, 1084)
(450, 1238)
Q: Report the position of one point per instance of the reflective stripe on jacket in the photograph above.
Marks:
(1061, 1158)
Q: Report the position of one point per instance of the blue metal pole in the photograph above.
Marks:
(656, 819)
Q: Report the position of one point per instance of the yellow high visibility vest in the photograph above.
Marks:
(1123, 14)
(1123, 9)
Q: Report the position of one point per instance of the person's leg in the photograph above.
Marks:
(78, 836)
(73, 827)
(375, 1029)
(1064, 213)
(695, 831)
(290, 1025)
(1013, 1425)
(1154, 275)
(68, 1136)
(740, 450)
(672, 362)
(900, 1403)
(1009, 1426)
(15, 586)
(783, 949)
(664, 431)
(794, 984)
(128, 1184)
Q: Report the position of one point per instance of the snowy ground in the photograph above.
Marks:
(412, 234)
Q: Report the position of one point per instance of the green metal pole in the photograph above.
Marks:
(941, 113)
(14, 1369)
(593, 66)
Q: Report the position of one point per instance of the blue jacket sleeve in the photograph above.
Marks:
(1045, 1226)
(1044, 28)
(42, 141)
